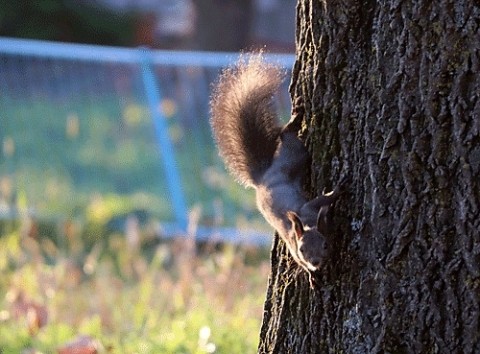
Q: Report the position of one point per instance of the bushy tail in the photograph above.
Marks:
(244, 122)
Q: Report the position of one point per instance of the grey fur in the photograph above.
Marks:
(269, 158)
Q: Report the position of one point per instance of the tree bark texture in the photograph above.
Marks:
(391, 92)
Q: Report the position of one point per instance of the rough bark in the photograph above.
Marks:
(392, 96)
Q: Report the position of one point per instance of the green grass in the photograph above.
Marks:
(150, 298)
(79, 164)
(60, 158)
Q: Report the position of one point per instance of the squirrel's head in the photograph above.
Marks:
(311, 244)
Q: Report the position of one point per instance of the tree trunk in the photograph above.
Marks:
(391, 92)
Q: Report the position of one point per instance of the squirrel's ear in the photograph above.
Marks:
(322, 219)
(296, 223)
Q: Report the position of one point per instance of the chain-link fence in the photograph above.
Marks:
(96, 134)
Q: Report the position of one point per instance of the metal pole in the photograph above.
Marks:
(161, 131)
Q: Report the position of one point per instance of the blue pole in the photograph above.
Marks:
(163, 139)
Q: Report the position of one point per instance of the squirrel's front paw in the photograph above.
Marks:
(341, 185)
(344, 180)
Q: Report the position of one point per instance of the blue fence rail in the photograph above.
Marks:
(100, 131)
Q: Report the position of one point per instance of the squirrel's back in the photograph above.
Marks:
(244, 122)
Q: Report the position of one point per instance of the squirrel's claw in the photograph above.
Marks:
(311, 280)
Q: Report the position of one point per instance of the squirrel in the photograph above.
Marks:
(262, 154)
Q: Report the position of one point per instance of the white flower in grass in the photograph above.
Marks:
(203, 340)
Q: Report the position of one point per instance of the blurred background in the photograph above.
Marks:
(211, 25)
(113, 201)
(100, 133)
